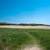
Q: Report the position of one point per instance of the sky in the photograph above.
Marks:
(25, 11)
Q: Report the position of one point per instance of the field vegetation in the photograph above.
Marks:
(15, 39)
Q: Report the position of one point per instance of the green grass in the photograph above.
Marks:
(15, 38)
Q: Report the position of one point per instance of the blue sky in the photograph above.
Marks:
(25, 11)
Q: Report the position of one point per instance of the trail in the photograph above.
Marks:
(35, 46)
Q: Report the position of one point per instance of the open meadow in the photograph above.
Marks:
(24, 39)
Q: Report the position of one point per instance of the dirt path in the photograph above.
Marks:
(36, 46)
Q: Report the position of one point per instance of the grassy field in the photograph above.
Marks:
(13, 39)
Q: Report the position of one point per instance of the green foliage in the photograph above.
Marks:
(15, 38)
